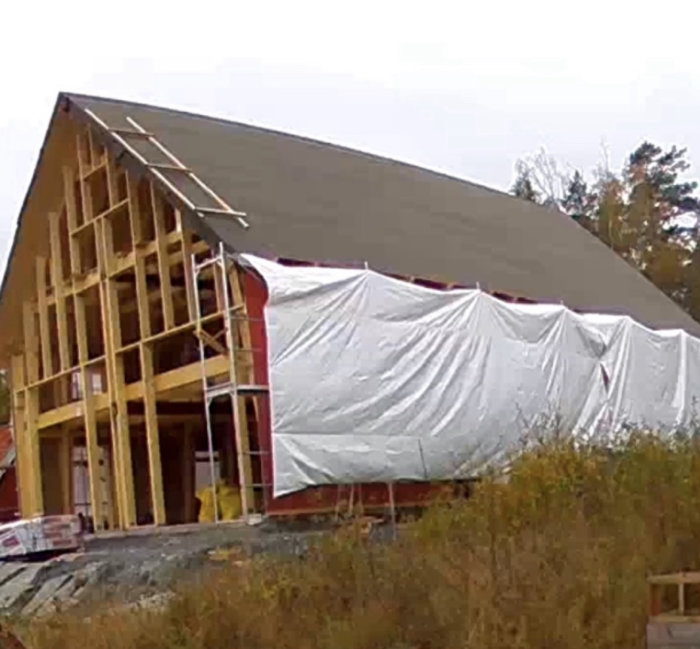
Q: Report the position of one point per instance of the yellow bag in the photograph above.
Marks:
(206, 508)
(230, 506)
(229, 501)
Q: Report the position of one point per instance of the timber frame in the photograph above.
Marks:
(107, 368)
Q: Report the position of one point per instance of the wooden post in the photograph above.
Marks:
(46, 358)
(244, 367)
(93, 449)
(20, 434)
(57, 284)
(72, 220)
(121, 442)
(33, 464)
(152, 436)
(190, 289)
(166, 289)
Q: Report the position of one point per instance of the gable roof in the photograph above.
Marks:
(314, 201)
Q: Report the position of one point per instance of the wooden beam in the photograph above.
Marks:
(190, 288)
(42, 309)
(72, 219)
(33, 456)
(58, 290)
(83, 167)
(136, 224)
(163, 265)
(31, 346)
(155, 469)
(244, 371)
(112, 188)
(19, 432)
(180, 377)
(71, 412)
(121, 443)
(93, 449)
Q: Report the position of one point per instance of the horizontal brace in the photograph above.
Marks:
(219, 210)
(214, 391)
(110, 211)
(64, 373)
(169, 332)
(94, 170)
(128, 132)
(167, 166)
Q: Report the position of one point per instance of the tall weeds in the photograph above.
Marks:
(556, 556)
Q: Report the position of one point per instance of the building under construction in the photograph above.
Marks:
(136, 333)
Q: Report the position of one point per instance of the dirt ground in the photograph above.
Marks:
(142, 565)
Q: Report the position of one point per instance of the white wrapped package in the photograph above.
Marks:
(654, 375)
(375, 379)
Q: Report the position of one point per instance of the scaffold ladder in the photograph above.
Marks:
(224, 264)
(174, 164)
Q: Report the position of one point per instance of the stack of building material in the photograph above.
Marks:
(41, 534)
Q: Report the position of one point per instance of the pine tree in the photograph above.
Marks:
(578, 202)
(523, 187)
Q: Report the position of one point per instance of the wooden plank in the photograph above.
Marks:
(242, 325)
(112, 185)
(89, 280)
(31, 346)
(18, 381)
(42, 309)
(32, 465)
(72, 219)
(135, 218)
(136, 225)
(121, 443)
(83, 166)
(163, 265)
(190, 288)
(58, 290)
(155, 469)
(81, 334)
(181, 377)
(71, 412)
(245, 371)
(93, 449)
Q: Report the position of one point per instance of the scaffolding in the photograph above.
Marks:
(239, 384)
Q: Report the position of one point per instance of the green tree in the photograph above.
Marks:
(523, 187)
(647, 213)
(579, 202)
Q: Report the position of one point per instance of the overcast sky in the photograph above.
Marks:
(461, 87)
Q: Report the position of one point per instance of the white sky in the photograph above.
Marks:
(463, 87)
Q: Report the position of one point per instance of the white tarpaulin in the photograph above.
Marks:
(375, 379)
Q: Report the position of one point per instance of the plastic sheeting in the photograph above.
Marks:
(375, 379)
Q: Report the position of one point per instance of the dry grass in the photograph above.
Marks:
(555, 558)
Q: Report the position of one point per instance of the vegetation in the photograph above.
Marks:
(646, 212)
(557, 556)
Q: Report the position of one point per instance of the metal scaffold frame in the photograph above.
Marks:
(222, 265)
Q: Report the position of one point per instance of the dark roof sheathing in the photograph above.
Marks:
(315, 201)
